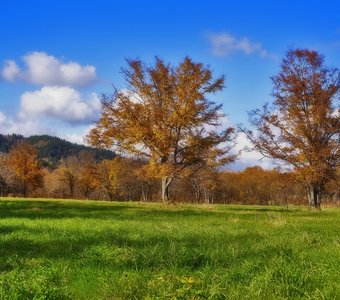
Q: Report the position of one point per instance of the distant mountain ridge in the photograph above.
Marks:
(52, 149)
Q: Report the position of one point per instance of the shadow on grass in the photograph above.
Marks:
(120, 249)
(60, 210)
(8, 229)
(120, 211)
(50, 210)
(72, 244)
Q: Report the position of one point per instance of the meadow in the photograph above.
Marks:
(66, 249)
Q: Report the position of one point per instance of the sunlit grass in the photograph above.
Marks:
(54, 249)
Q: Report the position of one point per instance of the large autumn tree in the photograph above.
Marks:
(302, 125)
(164, 115)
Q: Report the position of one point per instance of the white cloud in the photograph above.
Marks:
(77, 136)
(249, 157)
(62, 103)
(224, 123)
(38, 126)
(242, 147)
(133, 96)
(2, 118)
(10, 71)
(25, 127)
(43, 69)
(224, 44)
(74, 138)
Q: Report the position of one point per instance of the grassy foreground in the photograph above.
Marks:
(97, 250)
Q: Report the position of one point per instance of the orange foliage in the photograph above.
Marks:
(23, 162)
(302, 128)
(164, 115)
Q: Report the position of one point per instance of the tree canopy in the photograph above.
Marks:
(302, 126)
(165, 116)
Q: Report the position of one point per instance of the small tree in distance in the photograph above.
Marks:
(302, 127)
(164, 115)
(22, 160)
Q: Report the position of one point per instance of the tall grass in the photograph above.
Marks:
(98, 250)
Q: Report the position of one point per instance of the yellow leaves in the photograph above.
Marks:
(301, 157)
(89, 177)
(299, 128)
(23, 161)
(120, 174)
(161, 115)
(187, 172)
(154, 169)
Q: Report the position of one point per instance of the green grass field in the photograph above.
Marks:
(53, 249)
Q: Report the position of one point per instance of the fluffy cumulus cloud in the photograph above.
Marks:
(43, 69)
(224, 44)
(28, 127)
(10, 125)
(248, 157)
(57, 107)
(11, 71)
(62, 103)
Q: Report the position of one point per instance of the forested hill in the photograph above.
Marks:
(52, 149)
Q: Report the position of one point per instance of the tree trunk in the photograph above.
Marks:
(314, 196)
(145, 192)
(309, 195)
(111, 196)
(197, 188)
(197, 195)
(71, 188)
(24, 189)
(206, 196)
(166, 181)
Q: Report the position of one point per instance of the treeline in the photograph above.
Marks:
(51, 149)
(124, 179)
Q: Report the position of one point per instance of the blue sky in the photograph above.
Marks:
(57, 57)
